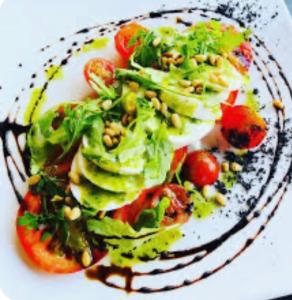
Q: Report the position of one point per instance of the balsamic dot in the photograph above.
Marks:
(31, 86)
(62, 39)
(0, 87)
(20, 65)
(33, 76)
(75, 44)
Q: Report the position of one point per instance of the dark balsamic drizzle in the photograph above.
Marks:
(103, 273)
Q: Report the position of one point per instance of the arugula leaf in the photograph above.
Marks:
(106, 92)
(159, 153)
(151, 218)
(49, 185)
(137, 37)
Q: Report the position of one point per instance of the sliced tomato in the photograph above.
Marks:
(124, 36)
(243, 127)
(178, 159)
(201, 168)
(38, 250)
(177, 212)
(230, 100)
(102, 68)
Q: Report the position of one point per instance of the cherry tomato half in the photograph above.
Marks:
(201, 168)
(35, 248)
(230, 100)
(177, 212)
(123, 37)
(243, 127)
(102, 68)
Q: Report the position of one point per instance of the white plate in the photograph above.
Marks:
(263, 270)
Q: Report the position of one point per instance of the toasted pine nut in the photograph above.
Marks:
(117, 127)
(212, 59)
(180, 60)
(156, 103)
(168, 54)
(101, 214)
(225, 166)
(220, 199)
(278, 104)
(200, 58)
(196, 82)
(156, 42)
(235, 167)
(108, 141)
(75, 213)
(199, 89)
(219, 62)
(107, 104)
(34, 179)
(57, 198)
(150, 94)
(68, 200)
(115, 141)
(189, 89)
(213, 78)
(176, 120)
(164, 109)
(67, 212)
(74, 177)
(110, 132)
(125, 119)
(134, 86)
(86, 258)
(222, 81)
(206, 191)
(185, 83)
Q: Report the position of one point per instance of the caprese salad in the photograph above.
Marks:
(119, 173)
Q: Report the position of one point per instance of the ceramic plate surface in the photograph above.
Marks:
(244, 250)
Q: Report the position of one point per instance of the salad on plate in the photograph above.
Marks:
(119, 174)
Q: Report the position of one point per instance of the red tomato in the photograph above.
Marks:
(201, 168)
(246, 50)
(178, 159)
(243, 127)
(36, 249)
(123, 37)
(102, 68)
(177, 212)
(230, 100)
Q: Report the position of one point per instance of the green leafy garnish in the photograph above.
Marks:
(202, 208)
(151, 218)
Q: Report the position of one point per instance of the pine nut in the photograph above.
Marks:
(222, 82)
(33, 180)
(150, 94)
(75, 213)
(156, 42)
(185, 83)
(101, 214)
(176, 120)
(278, 104)
(225, 166)
(189, 186)
(115, 141)
(220, 199)
(196, 82)
(156, 103)
(107, 104)
(164, 109)
(134, 86)
(200, 58)
(57, 198)
(180, 60)
(189, 89)
(125, 119)
(67, 212)
(219, 62)
(108, 141)
(194, 62)
(213, 78)
(68, 200)
(199, 89)
(235, 167)
(74, 177)
(117, 127)
(86, 258)
(168, 54)
(206, 191)
(110, 132)
(213, 59)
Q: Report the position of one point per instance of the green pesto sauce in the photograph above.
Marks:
(54, 72)
(252, 101)
(229, 179)
(203, 208)
(33, 109)
(97, 44)
(144, 247)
